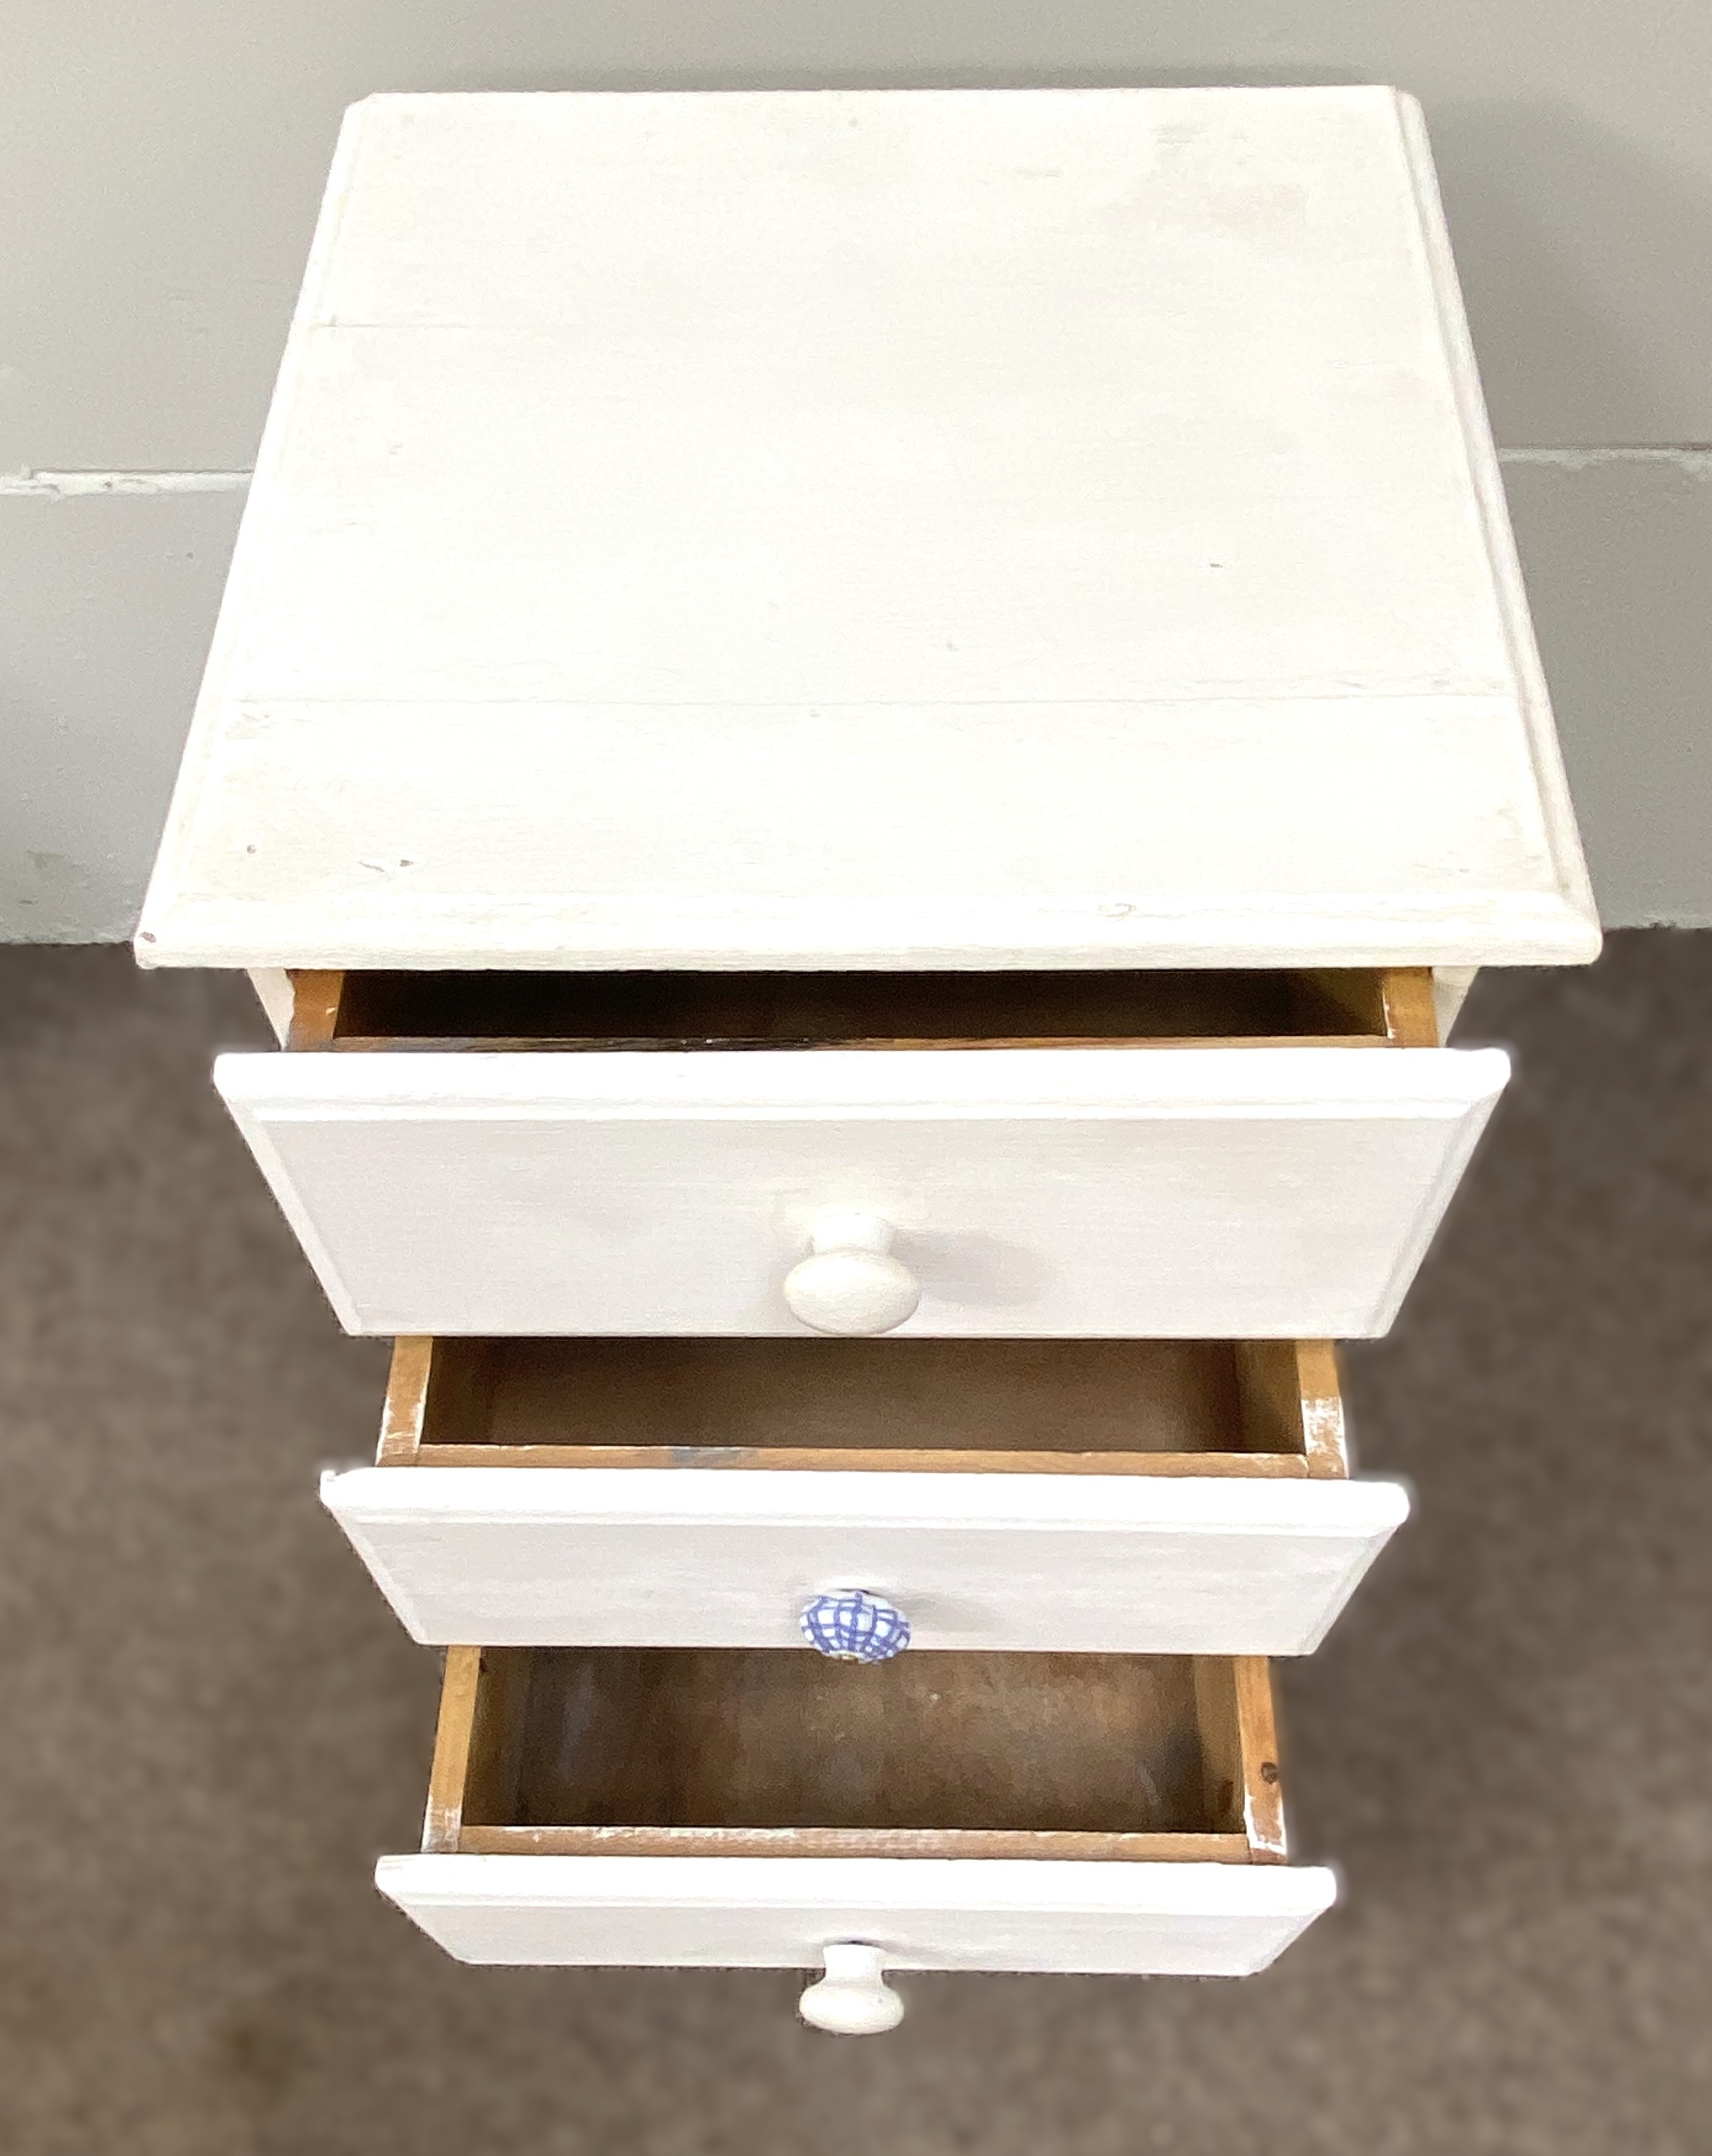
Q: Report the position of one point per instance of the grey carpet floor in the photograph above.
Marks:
(211, 1724)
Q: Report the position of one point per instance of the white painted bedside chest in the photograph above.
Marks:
(898, 715)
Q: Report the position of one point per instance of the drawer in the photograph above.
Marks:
(1261, 1154)
(744, 1808)
(1141, 1496)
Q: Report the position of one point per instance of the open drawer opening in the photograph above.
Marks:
(667, 1011)
(1180, 1407)
(580, 1751)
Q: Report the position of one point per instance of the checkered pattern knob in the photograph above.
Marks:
(852, 1626)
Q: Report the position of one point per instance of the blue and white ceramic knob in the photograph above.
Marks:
(853, 1626)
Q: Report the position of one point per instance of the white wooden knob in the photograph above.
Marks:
(851, 1283)
(853, 1998)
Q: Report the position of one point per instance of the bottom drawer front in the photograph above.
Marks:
(928, 1913)
(732, 1807)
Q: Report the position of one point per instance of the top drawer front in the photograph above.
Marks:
(1192, 1191)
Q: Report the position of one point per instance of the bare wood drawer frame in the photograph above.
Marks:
(1288, 1404)
(1347, 1008)
(734, 1731)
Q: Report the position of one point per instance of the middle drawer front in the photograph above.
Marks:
(1141, 1497)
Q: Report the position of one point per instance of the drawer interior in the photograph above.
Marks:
(1186, 1407)
(667, 1011)
(779, 1752)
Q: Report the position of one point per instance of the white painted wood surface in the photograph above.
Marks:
(665, 1557)
(1245, 1193)
(1450, 990)
(274, 993)
(926, 1912)
(875, 528)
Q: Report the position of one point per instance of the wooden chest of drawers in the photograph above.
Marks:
(874, 714)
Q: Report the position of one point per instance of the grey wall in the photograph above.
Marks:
(159, 173)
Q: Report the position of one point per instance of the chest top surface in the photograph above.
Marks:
(965, 528)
